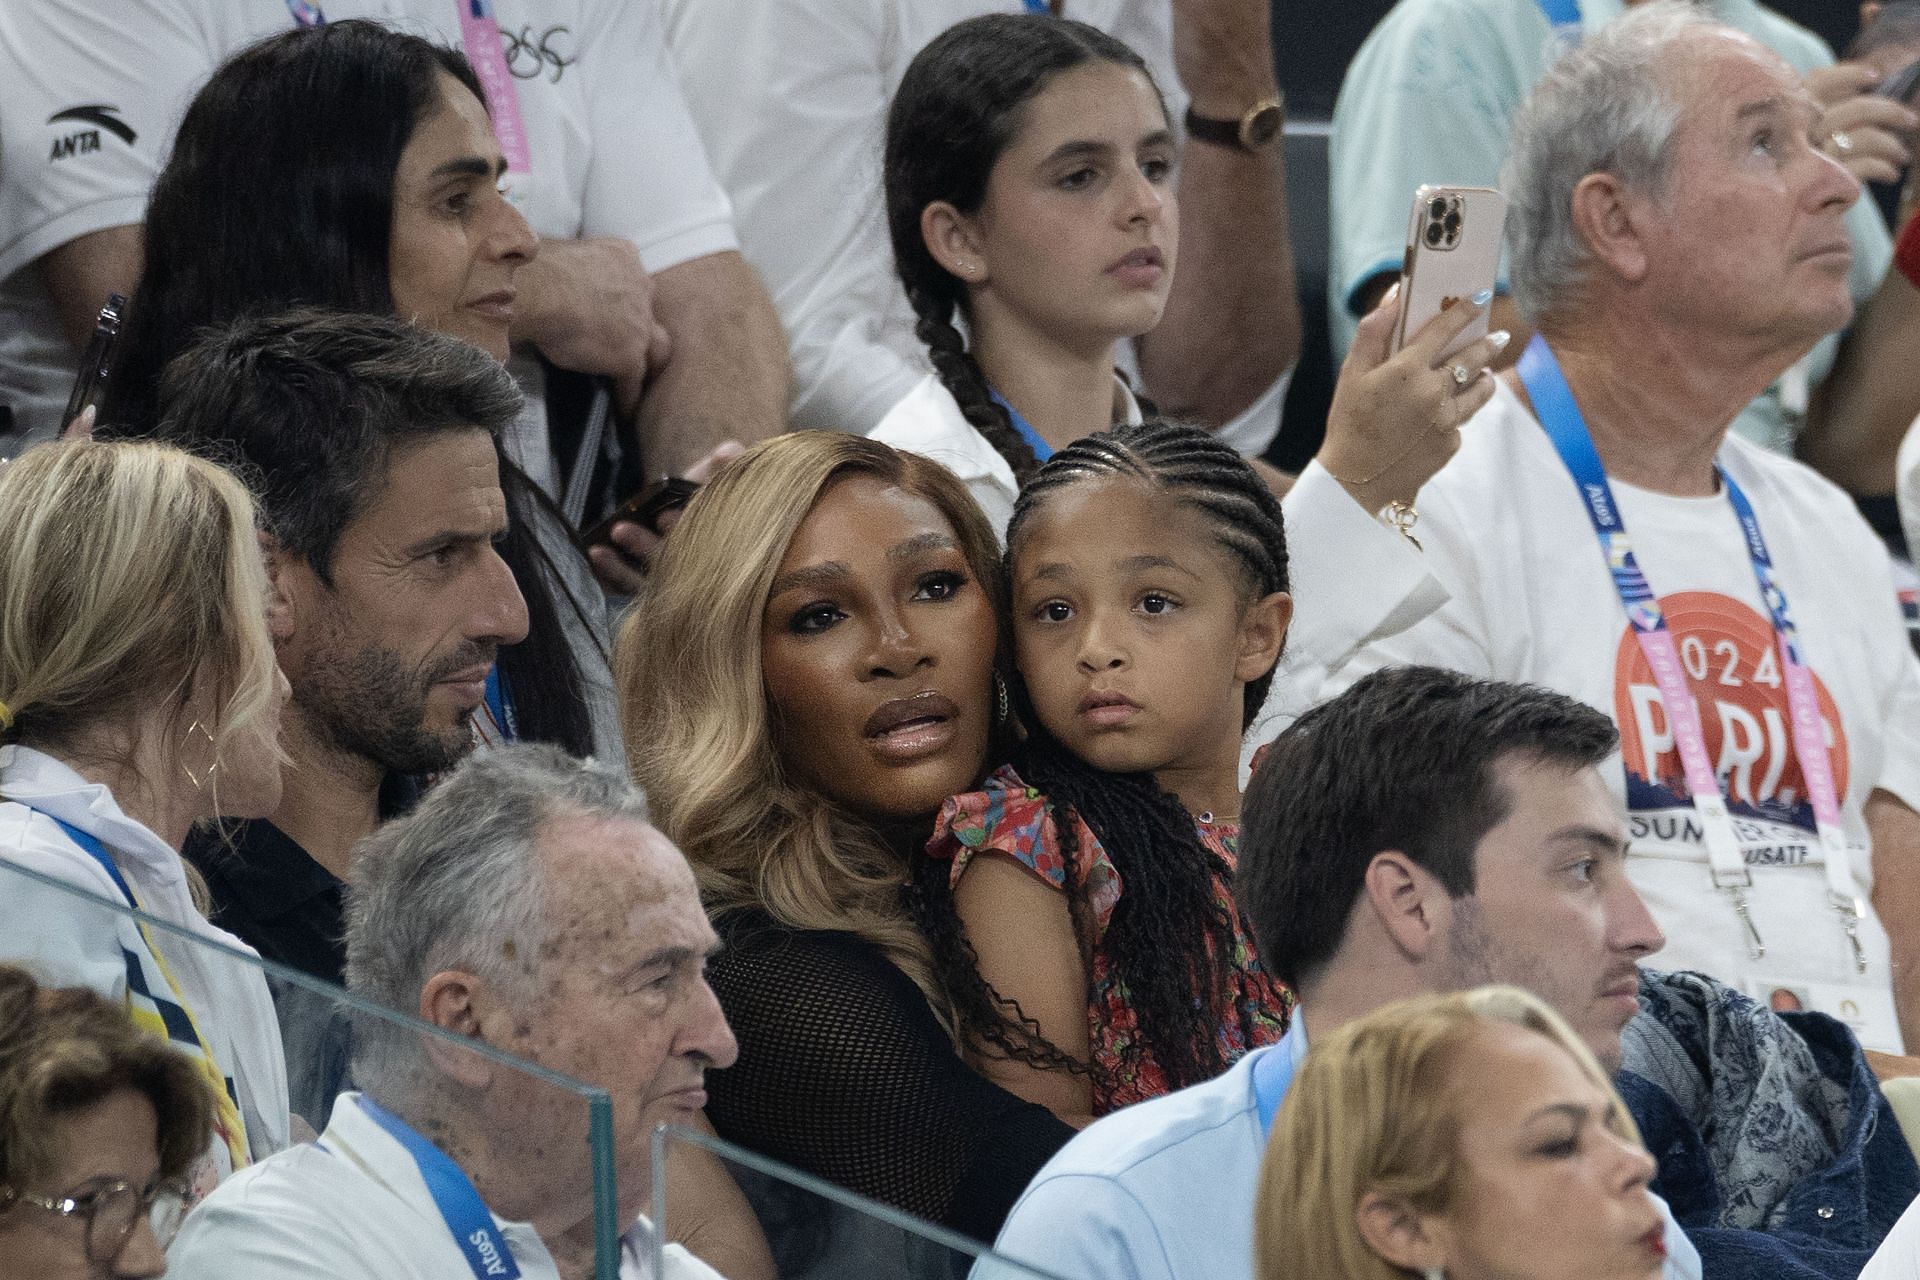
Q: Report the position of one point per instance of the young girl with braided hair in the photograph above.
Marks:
(1030, 199)
(1029, 190)
(1091, 939)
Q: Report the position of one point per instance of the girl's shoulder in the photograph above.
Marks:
(1009, 817)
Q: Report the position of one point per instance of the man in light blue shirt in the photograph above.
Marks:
(1423, 832)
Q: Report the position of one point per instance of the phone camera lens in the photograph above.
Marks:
(1435, 234)
(1438, 208)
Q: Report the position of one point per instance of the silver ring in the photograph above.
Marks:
(1841, 141)
(1461, 375)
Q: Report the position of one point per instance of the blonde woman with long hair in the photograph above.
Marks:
(1456, 1137)
(809, 674)
(139, 695)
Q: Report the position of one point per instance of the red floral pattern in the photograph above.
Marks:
(1010, 818)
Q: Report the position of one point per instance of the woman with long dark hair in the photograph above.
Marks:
(289, 184)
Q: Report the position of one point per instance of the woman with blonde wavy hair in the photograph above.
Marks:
(1456, 1137)
(809, 674)
(139, 694)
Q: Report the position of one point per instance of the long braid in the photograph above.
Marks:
(960, 374)
(956, 111)
(1170, 908)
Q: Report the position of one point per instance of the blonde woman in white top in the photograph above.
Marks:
(139, 694)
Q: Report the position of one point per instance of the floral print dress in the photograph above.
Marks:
(1010, 818)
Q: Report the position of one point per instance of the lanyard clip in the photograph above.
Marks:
(1852, 912)
(1756, 949)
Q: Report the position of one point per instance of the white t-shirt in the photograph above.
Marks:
(791, 98)
(65, 940)
(614, 149)
(1898, 1257)
(354, 1206)
(1532, 600)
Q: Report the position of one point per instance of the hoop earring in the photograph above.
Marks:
(1003, 709)
(199, 782)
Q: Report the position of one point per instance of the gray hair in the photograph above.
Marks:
(456, 884)
(1604, 106)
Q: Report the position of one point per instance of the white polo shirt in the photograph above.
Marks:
(614, 149)
(354, 1206)
(791, 99)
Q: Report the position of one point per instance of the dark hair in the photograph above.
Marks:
(279, 193)
(1897, 23)
(957, 109)
(1170, 939)
(62, 1049)
(1403, 760)
(309, 405)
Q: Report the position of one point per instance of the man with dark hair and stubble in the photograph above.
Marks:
(1428, 832)
(371, 445)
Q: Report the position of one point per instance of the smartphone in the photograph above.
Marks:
(91, 381)
(1900, 85)
(1453, 252)
(644, 508)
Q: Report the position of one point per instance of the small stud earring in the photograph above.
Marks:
(1436, 1273)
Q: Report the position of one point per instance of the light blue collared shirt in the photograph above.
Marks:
(1164, 1190)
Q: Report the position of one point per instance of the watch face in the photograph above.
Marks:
(1261, 125)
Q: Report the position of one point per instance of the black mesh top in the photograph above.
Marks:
(845, 1073)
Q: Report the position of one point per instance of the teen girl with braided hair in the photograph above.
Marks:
(1030, 194)
(1093, 948)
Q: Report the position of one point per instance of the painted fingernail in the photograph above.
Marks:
(1499, 338)
(1483, 297)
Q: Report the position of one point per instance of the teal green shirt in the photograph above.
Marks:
(1431, 97)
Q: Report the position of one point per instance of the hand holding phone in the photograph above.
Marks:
(644, 508)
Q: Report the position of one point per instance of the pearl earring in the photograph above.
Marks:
(1436, 1273)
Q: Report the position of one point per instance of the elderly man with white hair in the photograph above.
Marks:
(1678, 239)
(527, 905)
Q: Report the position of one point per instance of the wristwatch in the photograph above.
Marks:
(1253, 131)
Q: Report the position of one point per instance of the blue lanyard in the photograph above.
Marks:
(1041, 7)
(453, 1194)
(1035, 441)
(91, 846)
(306, 15)
(1563, 14)
(500, 706)
(1566, 428)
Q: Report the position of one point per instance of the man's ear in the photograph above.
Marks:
(954, 242)
(282, 568)
(449, 1000)
(1399, 1233)
(1263, 633)
(1408, 902)
(1609, 219)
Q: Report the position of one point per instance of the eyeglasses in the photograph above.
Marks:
(110, 1211)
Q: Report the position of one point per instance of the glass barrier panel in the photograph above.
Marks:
(325, 1096)
(811, 1229)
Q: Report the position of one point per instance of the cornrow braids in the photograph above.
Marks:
(1171, 938)
(957, 109)
(960, 374)
(1198, 469)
